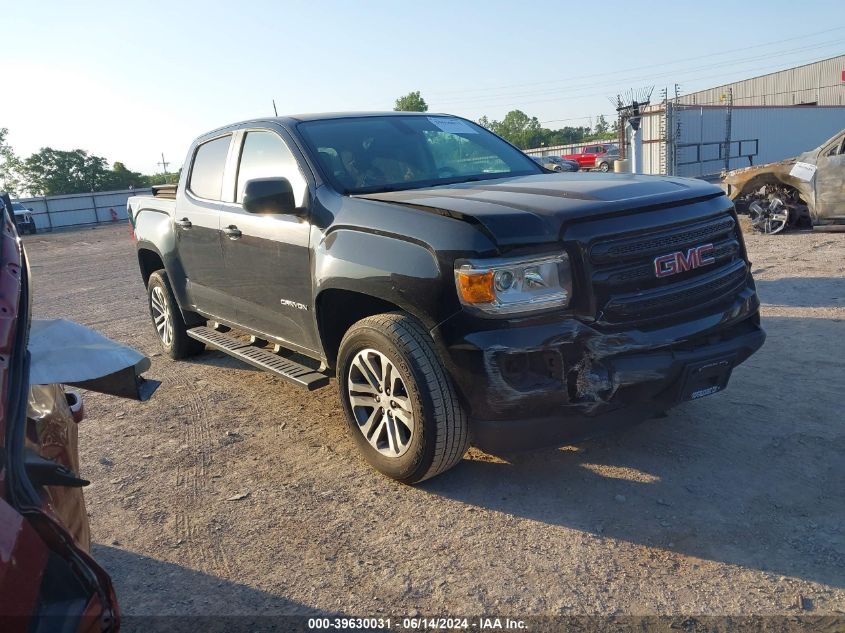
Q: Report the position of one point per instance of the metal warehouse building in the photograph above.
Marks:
(755, 121)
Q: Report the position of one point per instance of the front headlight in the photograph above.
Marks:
(510, 286)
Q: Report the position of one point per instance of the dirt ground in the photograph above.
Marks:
(734, 504)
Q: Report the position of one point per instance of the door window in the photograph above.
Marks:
(838, 148)
(207, 171)
(265, 155)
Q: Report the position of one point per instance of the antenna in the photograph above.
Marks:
(630, 106)
(276, 112)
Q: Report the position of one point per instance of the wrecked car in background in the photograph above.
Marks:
(48, 580)
(797, 192)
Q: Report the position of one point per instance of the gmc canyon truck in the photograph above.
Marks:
(457, 291)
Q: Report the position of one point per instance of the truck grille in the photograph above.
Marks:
(627, 290)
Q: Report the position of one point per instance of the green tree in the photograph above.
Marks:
(517, 128)
(169, 178)
(120, 177)
(601, 126)
(51, 172)
(564, 136)
(411, 102)
(10, 165)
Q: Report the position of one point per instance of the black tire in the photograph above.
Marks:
(180, 345)
(33, 230)
(604, 167)
(440, 431)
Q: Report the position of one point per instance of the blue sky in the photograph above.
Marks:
(131, 80)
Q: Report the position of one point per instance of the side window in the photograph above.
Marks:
(207, 170)
(265, 155)
(838, 148)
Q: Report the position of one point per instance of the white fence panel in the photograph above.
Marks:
(80, 209)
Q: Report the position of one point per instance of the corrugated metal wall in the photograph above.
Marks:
(821, 83)
(80, 208)
(781, 132)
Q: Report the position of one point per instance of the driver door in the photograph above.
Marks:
(266, 256)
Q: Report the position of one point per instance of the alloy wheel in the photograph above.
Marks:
(161, 315)
(380, 403)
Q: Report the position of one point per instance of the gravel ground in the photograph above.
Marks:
(232, 492)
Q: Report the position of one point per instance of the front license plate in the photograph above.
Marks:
(706, 378)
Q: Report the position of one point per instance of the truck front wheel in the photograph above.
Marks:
(167, 319)
(401, 407)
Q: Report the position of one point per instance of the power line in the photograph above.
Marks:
(593, 84)
(686, 80)
(627, 70)
(578, 118)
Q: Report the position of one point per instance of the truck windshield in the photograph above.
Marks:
(391, 153)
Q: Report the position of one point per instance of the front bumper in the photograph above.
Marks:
(534, 383)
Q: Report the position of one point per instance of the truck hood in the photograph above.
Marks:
(535, 209)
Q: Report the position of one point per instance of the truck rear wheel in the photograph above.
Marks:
(167, 319)
(401, 407)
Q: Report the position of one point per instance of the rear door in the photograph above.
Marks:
(267, 257)
(197, 227)
(830, 180)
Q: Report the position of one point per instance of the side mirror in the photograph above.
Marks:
(29, 209)
(269, 195)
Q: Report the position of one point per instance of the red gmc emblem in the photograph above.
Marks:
(674, 263)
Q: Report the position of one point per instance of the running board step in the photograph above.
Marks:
(291, 371)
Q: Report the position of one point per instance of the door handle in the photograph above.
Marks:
(185, 223)
(232, 232)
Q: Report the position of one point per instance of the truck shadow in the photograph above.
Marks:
(754, 476)
(157, 596)
(808, 292)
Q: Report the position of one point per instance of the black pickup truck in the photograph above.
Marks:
(457, 290)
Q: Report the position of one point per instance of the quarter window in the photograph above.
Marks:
(207, 171)
(265, 155)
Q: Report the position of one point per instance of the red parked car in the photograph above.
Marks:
(48, 580)
(599, 156)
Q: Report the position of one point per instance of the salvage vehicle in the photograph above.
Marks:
(598, 156)
(456, 290)
(798, 192)
(48, 579)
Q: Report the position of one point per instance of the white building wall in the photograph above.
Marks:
(782, 132)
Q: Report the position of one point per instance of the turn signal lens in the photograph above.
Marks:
(512, 286)
(476, 287)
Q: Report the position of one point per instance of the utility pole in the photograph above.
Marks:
(728, 116)
(164, 165)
